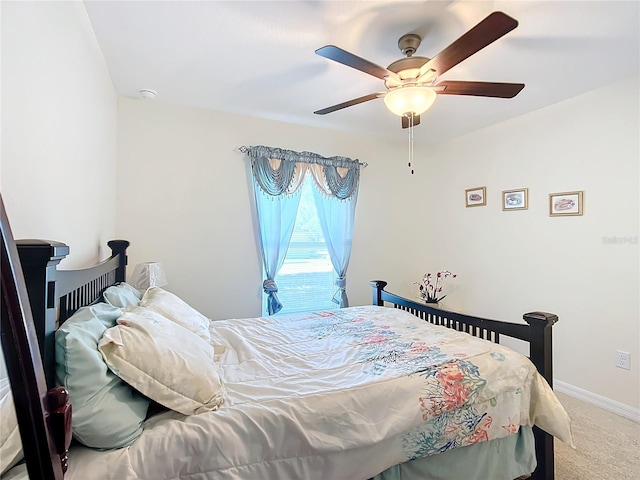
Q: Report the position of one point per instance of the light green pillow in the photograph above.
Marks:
(107, 413)
(122, 295)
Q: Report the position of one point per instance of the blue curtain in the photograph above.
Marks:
(336, 220)
(276, 218)
(277, 176)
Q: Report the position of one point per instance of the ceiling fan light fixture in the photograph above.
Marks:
(412, 99)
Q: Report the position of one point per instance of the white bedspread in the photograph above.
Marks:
(340, 394)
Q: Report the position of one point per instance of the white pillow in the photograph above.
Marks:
(163, 361)
(174, 308)
(10, 442)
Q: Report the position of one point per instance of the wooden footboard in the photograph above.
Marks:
(537, 332)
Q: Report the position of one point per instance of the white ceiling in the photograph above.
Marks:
(257, 57)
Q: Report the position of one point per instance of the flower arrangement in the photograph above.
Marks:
(430, 287)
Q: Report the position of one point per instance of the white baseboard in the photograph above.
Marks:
(605, 403)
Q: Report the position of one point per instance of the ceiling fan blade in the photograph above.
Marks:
(484, 33)
(479, 89)
(355, 101)
(350, 60)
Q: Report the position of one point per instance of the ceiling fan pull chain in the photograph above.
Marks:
(410, 115)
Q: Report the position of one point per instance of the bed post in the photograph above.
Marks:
(119, 247)
(541, 345)
(39, 259)
(377, 286)
(541, 354)
(44, 418)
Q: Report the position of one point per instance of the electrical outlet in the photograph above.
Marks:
(623, 359)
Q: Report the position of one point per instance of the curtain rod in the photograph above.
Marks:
(245, 149)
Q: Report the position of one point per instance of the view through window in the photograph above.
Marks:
(306, 279)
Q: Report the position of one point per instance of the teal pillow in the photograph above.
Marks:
(122, 295)
(107, 413)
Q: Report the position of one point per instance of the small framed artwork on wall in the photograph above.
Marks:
(515, 199)
(476, 197)
(565, 203)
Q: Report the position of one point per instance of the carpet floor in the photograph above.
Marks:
(607, 445)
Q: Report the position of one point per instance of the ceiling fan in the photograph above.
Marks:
(410, 82)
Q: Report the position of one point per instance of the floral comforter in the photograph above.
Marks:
(342, 394)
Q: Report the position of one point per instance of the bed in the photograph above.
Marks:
(396, 389)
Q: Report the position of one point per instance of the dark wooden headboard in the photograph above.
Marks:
(56, 294)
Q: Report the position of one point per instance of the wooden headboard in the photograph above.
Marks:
(56, 294)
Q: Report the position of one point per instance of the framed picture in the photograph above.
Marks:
(515, 199)
(476, 197)
(565, 203)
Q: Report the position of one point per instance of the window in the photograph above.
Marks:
(306, 279)
(278, 180)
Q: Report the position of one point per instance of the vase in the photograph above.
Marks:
(432, 304)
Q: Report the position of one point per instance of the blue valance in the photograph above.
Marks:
(340, 175)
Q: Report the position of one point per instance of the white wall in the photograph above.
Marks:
(59, 112)
(518, 261)
(184, 198)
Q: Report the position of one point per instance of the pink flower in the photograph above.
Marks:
(429, 291)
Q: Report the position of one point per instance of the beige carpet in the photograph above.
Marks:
(607, 445)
